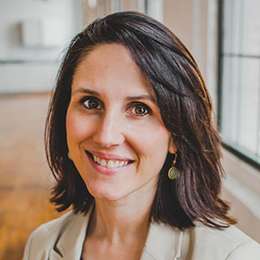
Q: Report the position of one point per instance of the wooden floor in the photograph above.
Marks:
(25, 179)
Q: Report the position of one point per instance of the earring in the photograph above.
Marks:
(173, 172)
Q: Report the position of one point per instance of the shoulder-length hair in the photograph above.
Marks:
(186, 111)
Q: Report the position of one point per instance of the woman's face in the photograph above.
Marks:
(115, 134)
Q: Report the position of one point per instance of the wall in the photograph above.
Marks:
(194, 22)
(242, 188)
(33, 68)
(178, 17)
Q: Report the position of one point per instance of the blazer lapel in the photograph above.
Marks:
(54, 255)
(162, 243)
(70, 243)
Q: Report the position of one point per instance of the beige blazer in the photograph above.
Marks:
(62, 239)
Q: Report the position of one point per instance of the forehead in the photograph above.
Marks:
(117, 51)
(110, 65)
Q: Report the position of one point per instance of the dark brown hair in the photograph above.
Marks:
(185, 109)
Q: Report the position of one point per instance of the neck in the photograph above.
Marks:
(124, 220)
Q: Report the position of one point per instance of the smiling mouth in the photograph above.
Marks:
(110, 164)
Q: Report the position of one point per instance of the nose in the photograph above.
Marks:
(109, 131)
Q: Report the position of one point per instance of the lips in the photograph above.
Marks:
(108, 161)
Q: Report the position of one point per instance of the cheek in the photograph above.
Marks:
(151, 141)
(158, 147)
(77, 127)
(153, 134)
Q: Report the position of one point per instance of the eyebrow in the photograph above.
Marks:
(130, 98)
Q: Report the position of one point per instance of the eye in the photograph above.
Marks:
(139, 109)
(91, 102)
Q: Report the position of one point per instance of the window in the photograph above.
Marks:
(154, 8)
(116, 6)
(239, 104)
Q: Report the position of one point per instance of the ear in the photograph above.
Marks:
(172, 147)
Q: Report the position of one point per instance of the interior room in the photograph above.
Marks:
(223, 36)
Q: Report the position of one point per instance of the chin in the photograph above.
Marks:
(108, 196)
(101, 192)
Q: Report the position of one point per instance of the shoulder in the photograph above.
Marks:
(45, 236)
(52, 228)
(228, 244)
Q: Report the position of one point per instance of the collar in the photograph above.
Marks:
(70, 241)
(163, 242)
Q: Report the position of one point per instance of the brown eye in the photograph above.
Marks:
(139, 109)
(92, 103)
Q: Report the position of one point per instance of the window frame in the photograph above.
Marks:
(234, 150)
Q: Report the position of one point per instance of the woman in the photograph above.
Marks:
(130, 141)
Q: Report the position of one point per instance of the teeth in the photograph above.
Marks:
(109, 163)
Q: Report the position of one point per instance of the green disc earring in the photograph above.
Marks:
(173, 172)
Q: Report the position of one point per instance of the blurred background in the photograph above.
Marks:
(224, 37)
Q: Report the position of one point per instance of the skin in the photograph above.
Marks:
(107, 117)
